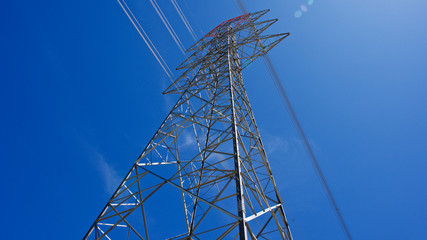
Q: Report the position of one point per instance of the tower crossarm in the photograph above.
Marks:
(250, 43)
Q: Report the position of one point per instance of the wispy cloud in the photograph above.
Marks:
(109, 174)
(187, 139)
(274, 143)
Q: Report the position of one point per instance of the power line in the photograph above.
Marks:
(241, 6)
(306, 144)
(146, 39)
(168, 26)
(301, 133)
(184, 20)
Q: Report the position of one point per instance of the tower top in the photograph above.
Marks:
(249, 42)
(220, 28)
(237, 24)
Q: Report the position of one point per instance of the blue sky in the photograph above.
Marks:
(80, 96)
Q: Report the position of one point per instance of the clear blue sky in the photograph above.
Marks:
(80, 96)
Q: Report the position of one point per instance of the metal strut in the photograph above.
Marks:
(234, 132)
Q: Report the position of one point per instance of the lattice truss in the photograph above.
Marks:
(204, 174)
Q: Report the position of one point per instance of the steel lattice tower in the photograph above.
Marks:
(207, 155)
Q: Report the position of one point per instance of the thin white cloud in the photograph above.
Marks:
(108, 173)
(188, 139)
(274, 143)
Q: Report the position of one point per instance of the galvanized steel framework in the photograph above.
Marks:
(208, 151)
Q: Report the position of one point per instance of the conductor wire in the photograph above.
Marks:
(301, 134)
(146, 39)
(184, 20)
(168, 26)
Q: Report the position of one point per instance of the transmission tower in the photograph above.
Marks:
(205, 173)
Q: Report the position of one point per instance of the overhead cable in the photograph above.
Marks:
(146, 39)
(168, 26)
(184, 20)
(301, 133)
(306, 144)
(241, 6)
